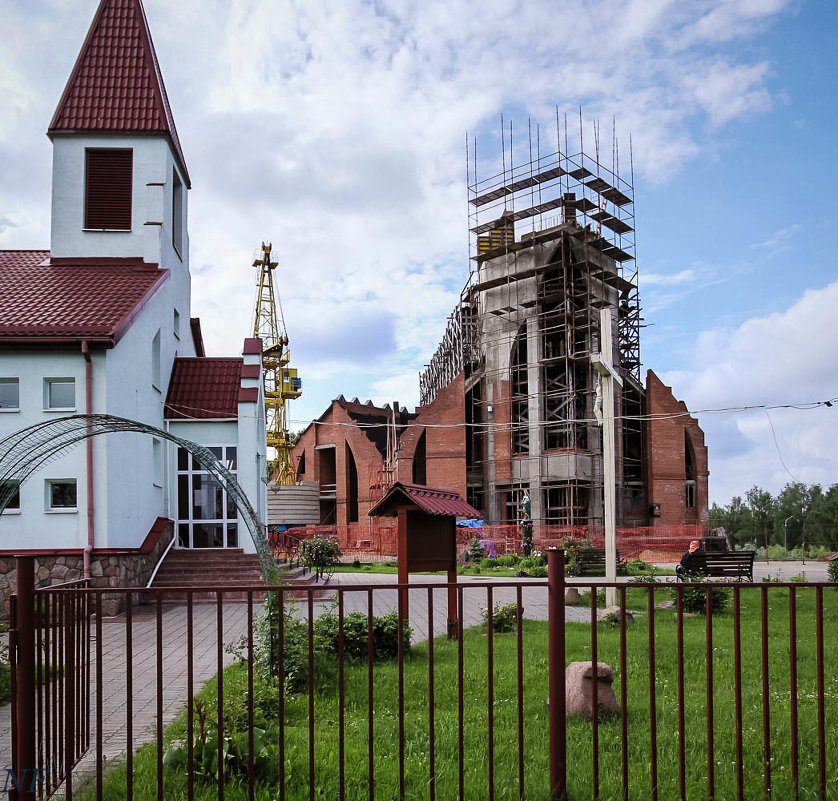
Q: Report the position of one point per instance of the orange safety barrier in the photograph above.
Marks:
(376, 541)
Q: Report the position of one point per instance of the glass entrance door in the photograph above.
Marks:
(206, 514)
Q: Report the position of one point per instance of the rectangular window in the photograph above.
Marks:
(177, 212)
(60, 394)
(13, 503)
(689, 489)
(155, 360)
(176, 323)
(9, 395)
(61, 494)
(157, 460)
(108, 184)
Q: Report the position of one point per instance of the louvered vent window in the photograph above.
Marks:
(107, 201)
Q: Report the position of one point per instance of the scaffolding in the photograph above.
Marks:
(552, 241)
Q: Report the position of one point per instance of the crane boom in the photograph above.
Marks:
(281, 381)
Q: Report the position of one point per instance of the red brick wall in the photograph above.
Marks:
(445, 447)
(335, 427)
(665, 460)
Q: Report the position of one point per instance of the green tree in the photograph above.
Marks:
(793, 504)
(739, 524)
(718, 517)
(762, 506)
(822, 519)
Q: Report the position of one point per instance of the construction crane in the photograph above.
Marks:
(281, 381)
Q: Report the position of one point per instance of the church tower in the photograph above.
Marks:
(119, 176)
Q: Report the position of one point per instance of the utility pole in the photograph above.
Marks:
(607, 376)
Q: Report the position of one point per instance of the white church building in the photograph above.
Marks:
(101, 323)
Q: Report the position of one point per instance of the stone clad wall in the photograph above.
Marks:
(127, 569)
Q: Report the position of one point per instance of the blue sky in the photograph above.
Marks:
(336, 130)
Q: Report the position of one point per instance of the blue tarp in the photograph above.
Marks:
(471, 523)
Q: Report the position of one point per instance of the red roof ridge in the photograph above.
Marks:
(116, 85)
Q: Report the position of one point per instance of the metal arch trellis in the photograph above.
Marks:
(25, 451)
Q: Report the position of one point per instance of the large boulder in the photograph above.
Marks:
(579, 686)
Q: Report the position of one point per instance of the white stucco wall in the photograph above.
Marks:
(34, 526)
(151, 208)
(129, 492)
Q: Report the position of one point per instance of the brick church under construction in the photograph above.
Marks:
(510, 399)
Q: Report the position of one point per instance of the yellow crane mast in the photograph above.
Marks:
(281, 381)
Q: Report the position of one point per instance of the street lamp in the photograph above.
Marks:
(786, 532)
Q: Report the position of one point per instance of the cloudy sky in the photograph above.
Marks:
(337, 130)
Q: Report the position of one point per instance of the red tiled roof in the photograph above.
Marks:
(203, 388)
(40, 301)
(116, 85)
(433, 500)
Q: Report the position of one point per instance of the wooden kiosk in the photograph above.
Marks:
(426, 534)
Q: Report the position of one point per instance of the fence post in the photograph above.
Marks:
(556, 662)
(25, 679)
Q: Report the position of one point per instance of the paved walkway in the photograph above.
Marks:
(205, 657)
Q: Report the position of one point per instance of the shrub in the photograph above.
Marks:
(234, 747)
(539, 571)
(800, 578)
(571, 565)
(832, 570)
(638, 566)
(695, 598)
(385, 635)
(611, 620)
(476, 570)
(488, 564)
(320, 553)
(510, 560)
(474, 551)
(356, 563)
(294, 641)
(504, 618)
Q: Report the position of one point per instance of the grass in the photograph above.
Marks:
(475, 733)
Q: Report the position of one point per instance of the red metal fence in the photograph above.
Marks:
(733, 705)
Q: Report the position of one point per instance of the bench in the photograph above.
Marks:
(594, 559)
(733, 564)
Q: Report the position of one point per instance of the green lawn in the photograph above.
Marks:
(475, 735)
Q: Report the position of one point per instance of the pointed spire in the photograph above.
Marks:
(116, 85)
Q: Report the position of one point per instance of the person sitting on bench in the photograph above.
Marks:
(683, 568)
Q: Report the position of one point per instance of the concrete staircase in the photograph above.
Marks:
(208, 568)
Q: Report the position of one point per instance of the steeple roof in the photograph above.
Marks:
(116, 86)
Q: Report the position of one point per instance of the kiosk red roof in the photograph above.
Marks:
(432, 500)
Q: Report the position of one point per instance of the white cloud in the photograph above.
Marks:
(336, 130)
(781, 359)
(669, 279)
(779, 241)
